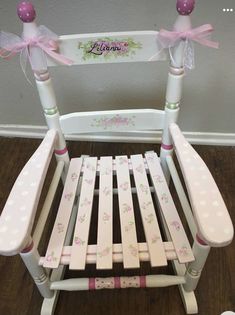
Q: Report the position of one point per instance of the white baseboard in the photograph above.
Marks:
(203, 138)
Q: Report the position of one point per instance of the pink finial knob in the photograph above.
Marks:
(185, 7)
(26, 12)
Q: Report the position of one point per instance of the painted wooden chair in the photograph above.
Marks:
(205, 212)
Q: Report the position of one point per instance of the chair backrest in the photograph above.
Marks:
(45, 49)
(141, 46)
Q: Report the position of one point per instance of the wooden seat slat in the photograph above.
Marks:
(105, 217)
(148, 215)
(167, 206)
(126, 211)
(82, 226)
(57, 238)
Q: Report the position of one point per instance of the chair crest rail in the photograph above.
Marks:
(113, 47)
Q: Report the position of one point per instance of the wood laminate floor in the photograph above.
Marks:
(215, 292)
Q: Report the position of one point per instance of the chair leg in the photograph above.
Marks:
(30, 257)
(193, 274)
(49, 305)
(188, 298)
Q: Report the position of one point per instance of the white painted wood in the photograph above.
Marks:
(115, 190)
(46, 94)
(171, 115)
(53, 123)
(49, 305)
(117, 248)
(200, 138)
(174, 88)
(82, 226)
(151, 281)
(21, 206)
(117, 258)
(117, 253)
(126, 212)
(167, 206)
(135, 46)
(104, 121)
(210, 212)
(183, 23)
(148, 214)
(31, 260)
(75, 284)
(30, 30)
(195, 268)
(182, 196)
(163, 155)
(188, 298)
(47, 204)
(55, 246)
(105, 215)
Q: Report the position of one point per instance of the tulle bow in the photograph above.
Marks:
(201, 35)
(46, 41)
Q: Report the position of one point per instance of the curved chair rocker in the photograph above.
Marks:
(205, 212)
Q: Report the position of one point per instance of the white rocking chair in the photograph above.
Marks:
(205, 212)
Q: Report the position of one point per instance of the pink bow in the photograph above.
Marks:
(46, 41)
(199, 34)
(170, 39)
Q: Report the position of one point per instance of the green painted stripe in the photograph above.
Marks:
(172, 105)
(51, 111)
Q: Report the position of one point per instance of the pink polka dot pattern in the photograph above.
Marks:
(206, 201)
(18, 214)
(185, 7)
(26, 12)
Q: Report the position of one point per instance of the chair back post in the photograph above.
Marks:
(27, 15)
(175, 80)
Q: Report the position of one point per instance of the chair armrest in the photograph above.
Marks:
(212, 218)
(18, 215)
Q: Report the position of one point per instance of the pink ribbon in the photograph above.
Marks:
(201, 34)
(46, 41)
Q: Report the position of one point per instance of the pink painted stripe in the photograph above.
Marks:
(28, 248)
(142, 281)
(117, 282)
(167, 146)
(61, 152)
(92, 284)
(200, 241)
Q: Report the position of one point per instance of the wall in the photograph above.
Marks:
(208, 98)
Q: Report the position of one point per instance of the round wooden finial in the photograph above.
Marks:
(185, 7)
(26, 12)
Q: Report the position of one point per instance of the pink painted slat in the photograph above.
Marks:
(212, 217)
(176, 229)
(127, 218)
(105, 219)
(148, 215)
(81, 232)
(56, 242)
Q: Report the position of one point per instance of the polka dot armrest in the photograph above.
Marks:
(210, 212)
(17, 217)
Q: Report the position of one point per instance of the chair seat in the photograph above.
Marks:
(114, 177)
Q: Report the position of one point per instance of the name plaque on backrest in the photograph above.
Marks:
(111, 47)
